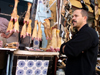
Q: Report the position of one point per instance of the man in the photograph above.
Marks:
(81, 50)
(3, 27)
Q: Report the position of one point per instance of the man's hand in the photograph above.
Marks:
(3, 35)
(6, 36)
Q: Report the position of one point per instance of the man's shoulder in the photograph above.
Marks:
(1, 18)
(90, 31)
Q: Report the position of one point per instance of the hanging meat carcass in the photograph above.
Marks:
(39, 31)
(48, 28)
(10, 26)
(53, 43)
(34, 35)
(29, 28)
(14, 19)
(16, 26)
(27, 15)
(27, 31)
(58, 39)
(14, 13)
(45, 30)
(23, 31)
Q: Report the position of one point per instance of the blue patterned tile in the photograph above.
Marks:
(25, 68)
(29, 72)
(37, 71)
(20, 72)
(30, 64)
(45, 71)
(46, 64)
(38, 64)
(42, 67)
(21, 63)
(32, 67)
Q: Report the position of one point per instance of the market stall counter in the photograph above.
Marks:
(9, 52)
(34, 63)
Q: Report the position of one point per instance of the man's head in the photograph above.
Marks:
(79, 18)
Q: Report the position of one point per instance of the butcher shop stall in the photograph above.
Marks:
(38, 28)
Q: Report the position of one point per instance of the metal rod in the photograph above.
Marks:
(58, 9)
(5, 14)
(11, 63)
(50, 6)
(60, 13)
(8, 62)
(33, 13)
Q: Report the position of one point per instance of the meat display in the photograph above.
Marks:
(28, 32)
(47, 26)
(28, 22)
(23, 32)
(34, 35)
(51, 33)
(27, 15)
(39, 31)
(14, 13)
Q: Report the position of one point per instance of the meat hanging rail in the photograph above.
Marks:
(5, 14)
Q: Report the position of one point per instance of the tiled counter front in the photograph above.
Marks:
(34, 63)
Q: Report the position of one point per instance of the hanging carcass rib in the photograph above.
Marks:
(29, 28)
(39, 31)
(16, 26)
(14, 13)
(27, 15)
(48, 28)
(34, 35)
(10, 26)
(58, 39)
(23, 32)
(14, 19)
(53, 43)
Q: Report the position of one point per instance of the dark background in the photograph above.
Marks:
(8, 5)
